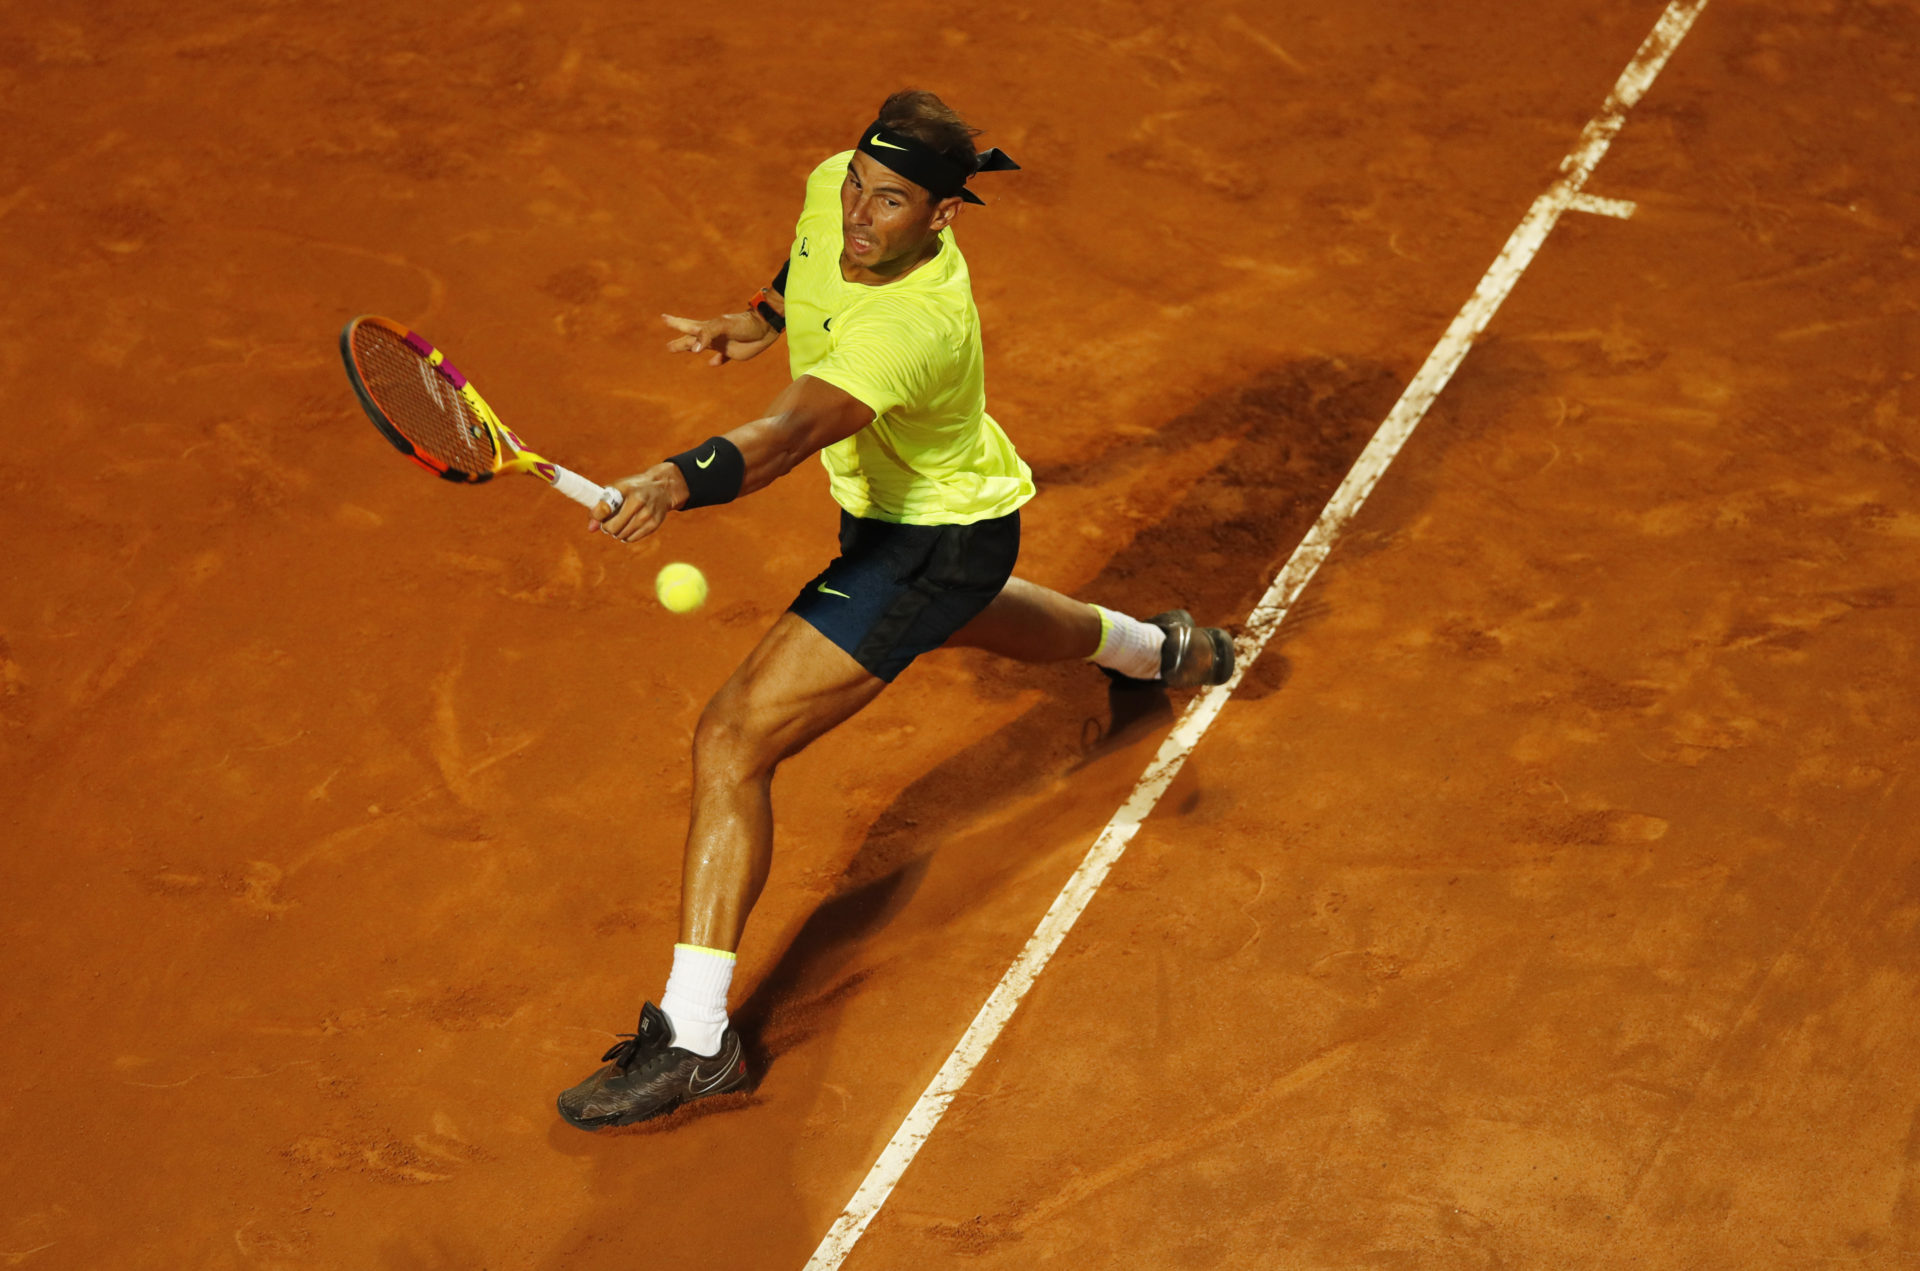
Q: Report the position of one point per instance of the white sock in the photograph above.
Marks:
(696, 998)
(1128, 645)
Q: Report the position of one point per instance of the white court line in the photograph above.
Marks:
(1621, 208)
(1265, 619)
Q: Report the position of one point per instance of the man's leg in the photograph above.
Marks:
(1031, 623)
(794, 686)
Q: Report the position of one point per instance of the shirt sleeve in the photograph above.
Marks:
(887, 355)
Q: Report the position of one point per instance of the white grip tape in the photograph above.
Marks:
(583, 491)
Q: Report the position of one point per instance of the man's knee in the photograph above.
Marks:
(731, 738)
(722, 738)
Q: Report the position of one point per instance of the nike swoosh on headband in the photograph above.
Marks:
(925, 166)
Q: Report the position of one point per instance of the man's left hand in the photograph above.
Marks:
(731, 337)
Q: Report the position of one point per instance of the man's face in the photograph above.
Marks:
(886, 220)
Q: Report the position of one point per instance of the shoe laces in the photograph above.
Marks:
(625, 1051)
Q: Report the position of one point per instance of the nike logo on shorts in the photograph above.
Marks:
(831, 592)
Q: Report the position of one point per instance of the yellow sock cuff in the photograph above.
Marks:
(1106, 629)
(713, 953)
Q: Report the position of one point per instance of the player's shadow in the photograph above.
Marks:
(1296, 430)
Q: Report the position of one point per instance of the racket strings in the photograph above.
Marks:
(421, 404)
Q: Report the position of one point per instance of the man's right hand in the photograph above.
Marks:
(731, 337)
(647, 498)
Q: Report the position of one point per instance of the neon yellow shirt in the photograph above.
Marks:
(910, 351)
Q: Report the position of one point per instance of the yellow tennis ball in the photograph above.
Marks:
(681, 587)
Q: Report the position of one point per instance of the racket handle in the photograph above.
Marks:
(583, 491)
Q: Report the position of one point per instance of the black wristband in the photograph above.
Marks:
(780, 279)
(714, 470)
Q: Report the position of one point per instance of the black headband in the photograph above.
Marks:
(926, 167)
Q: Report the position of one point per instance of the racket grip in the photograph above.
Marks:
(583, 491)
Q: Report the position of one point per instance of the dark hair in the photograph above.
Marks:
(930, 121)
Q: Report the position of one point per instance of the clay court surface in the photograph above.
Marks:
(1548, 895)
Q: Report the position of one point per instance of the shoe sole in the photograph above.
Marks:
(1223, 654)
(590, 1124)
(1221, 669)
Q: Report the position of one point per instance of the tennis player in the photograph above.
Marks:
(888, 389)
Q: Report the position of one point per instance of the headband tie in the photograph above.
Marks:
(926, 167)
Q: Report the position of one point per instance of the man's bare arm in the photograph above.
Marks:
(808, 416)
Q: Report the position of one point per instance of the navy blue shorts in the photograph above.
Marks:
(898, 590)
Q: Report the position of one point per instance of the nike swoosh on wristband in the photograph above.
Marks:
(875, 141)
(708, 461)
(831, 592)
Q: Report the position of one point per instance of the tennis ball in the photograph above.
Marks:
(681, 587)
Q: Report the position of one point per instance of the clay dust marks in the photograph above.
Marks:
(53, 172)
(16, 688)
(1239, 26)
(1049, 1198)
(475, 1006)
(1836, 993)
(254, 889)
(32, 1233)
(446, 745)
(405, 303)
(143, 624)
(154, 1073)
(1845, 327)
(382, 1159)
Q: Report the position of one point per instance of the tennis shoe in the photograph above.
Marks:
(647, 1076)
(1190, 657)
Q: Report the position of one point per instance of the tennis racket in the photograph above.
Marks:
(431, 413)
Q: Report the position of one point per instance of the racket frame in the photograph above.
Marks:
(510, 454)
